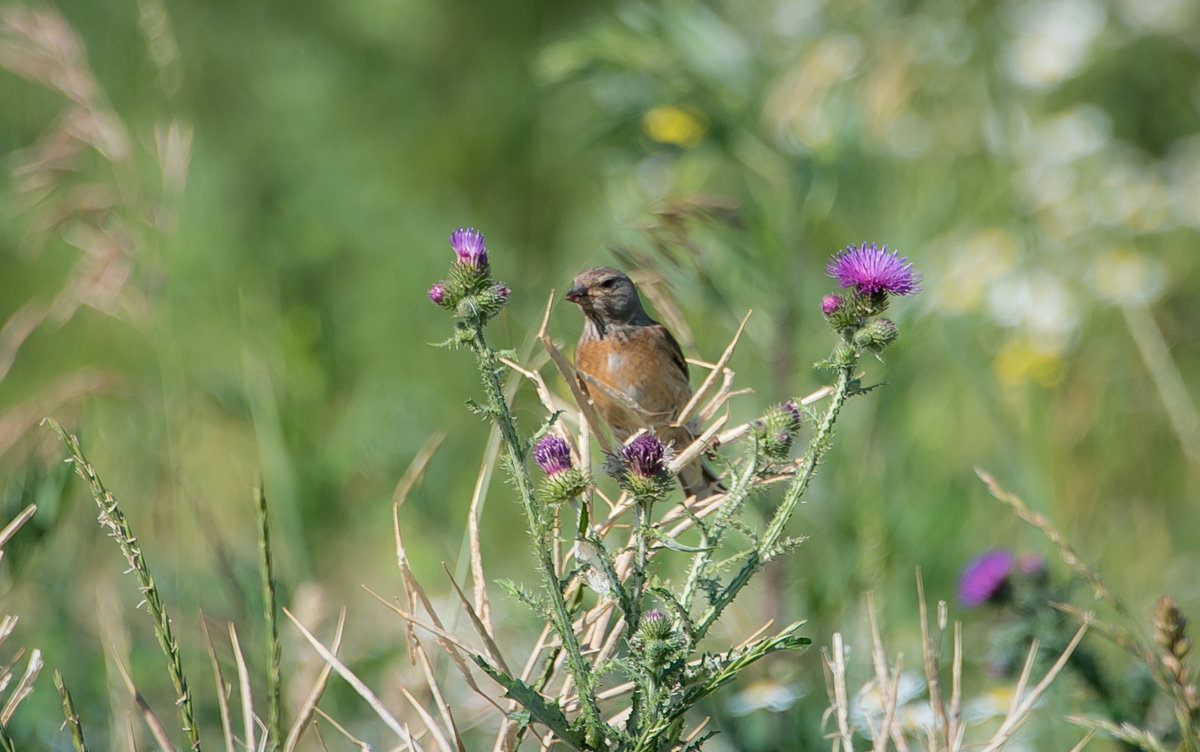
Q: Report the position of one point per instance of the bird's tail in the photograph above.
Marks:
(699, 480)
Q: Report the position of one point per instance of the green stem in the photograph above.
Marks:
(119, 530)
(515, 456)
(766, 549)
(69, 711)
(641, 518)
(711, 538)
(267, 570)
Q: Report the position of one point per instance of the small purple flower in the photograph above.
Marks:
(872, 270)
(502, 291)
(437, 293)
(553, 454)
(645, 456)
(983, 578)
(467, 242)
(654, 615)
(829, 304)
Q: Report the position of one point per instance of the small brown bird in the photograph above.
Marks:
(633, 368)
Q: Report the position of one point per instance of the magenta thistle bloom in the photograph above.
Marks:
(553, 454)
(872, 270)
(645, 456)
(984, 577)
(467, 242)
(829, 304)
(437, 293)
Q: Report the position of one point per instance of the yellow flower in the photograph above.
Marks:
(1018, 362)
(669, 124)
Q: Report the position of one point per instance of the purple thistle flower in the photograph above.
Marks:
(829, 304)
(437, 293)
(654, 615)
(553, 454)
(984, 576)
(645, 456)
(872, 270)
(467, 242)
(502, 291)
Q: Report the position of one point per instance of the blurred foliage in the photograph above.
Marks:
(225, 275)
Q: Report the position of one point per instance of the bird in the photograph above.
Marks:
(634, 370)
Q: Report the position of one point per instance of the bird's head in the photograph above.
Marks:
(606, 296)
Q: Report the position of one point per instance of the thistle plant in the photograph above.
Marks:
(626, 665)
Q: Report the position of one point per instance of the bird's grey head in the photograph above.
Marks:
(607, 296)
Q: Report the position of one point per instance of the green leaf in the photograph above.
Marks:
(545, 712)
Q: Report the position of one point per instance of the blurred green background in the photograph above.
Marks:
(220, 220)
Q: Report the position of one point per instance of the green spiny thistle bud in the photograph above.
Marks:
(776, 431)
(877, 335)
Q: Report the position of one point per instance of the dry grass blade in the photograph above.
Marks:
(1023, 702)
(354, 739)
(835, 663)
(740, 430)
(493, 650)
(1126, 732)
(931, 649)
(474, 546)
(11, 528)
(888, 681)
(539, 384)
(429, 722)
(1083, 742)
(244, 690)
(416, 468)
(416, 593)
(357, 684)
(698, 446)
(436, 690)
(156, 728)
(24, 687)
(305, 714)
(222, 688)
(713, 375)
(452, 642)
(6, 673)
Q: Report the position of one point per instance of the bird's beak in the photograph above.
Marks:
(577, 293)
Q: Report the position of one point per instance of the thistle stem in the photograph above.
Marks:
(766, 548)
(641, 517)
(515, 457)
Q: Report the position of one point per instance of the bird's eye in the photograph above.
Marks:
(608, 283)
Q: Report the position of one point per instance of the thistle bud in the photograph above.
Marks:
(877, 335)
(776, 430)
